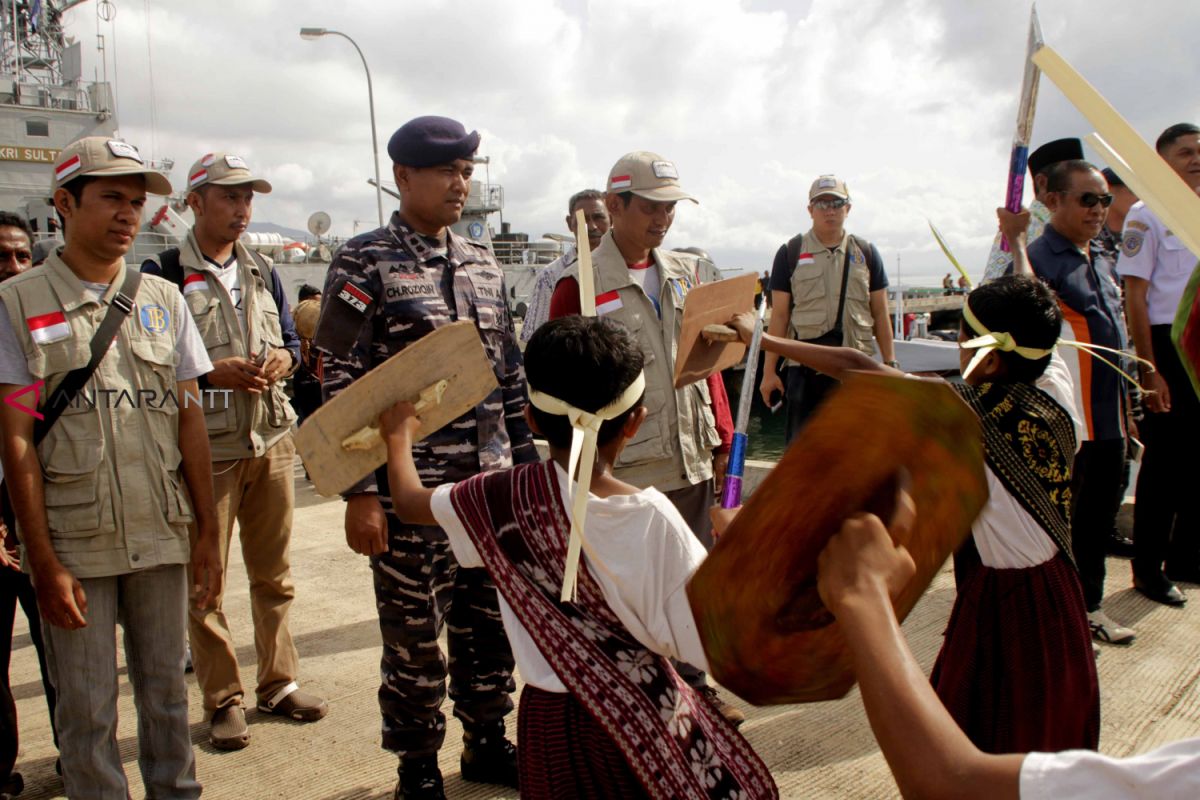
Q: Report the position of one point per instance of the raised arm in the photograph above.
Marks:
(410, 499)
(833, 361)
(929, 755)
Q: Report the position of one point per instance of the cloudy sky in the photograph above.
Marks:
(912, 101)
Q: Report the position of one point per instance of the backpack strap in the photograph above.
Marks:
(264, 269)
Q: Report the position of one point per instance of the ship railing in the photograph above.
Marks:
(531, 253)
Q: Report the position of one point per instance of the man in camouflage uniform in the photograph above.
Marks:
(385, 290)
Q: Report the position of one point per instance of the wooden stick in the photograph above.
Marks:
(587, 281)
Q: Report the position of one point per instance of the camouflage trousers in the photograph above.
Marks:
(418, 588)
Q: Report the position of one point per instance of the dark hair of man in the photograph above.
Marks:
(1059, 177)
(308, 290)
(10, 220)
(626, 197)
(579, 197)
(1026, 308)
(1168, 137)
(75, 186)
(586, 362)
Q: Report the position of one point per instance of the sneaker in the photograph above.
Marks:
(420, 779)
(1105, 630)
(488, 757)
(731, 713)
(291, 702)
(227, 729)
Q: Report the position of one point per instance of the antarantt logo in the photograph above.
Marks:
(124, 398)
(32, 410)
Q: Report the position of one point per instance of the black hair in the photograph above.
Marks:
(1168, 137)
(1024, 307)
(308, 290)
(10, 220)
(586, 362)
(1059, 175)
(75, 186)
(626, 197)
(579, 197)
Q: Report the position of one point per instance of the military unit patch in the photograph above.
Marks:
(355, 297)
(1132, 245)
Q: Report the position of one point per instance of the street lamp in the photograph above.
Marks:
(316, 33)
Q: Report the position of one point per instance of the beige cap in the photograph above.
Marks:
(831, 185)
(224, 169)
(647, 175)
(100, 157)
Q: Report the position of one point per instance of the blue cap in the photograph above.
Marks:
(429, 141)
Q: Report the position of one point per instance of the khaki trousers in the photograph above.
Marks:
(260, 494)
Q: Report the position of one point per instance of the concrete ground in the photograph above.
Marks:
(1151, 693)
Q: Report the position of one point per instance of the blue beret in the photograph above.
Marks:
(429, 141)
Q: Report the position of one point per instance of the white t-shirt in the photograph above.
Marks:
(1006, 535)
(1171, 772)
(231, 278)
(648, 554)
(192, 359)
(1150, 251)
(648, 278)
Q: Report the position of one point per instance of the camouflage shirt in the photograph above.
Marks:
(391, 286)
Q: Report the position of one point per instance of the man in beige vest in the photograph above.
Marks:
(102, 501)
(644, 286)
(238, 305)
(814, 276)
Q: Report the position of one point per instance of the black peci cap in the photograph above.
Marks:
(429, 141)
(1112, 177)
(1053, 152)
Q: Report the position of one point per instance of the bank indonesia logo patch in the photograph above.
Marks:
(155, 318)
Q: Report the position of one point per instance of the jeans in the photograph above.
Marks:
(151, 606)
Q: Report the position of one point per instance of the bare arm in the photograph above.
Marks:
(859, 572)
(197, 474)
(1015, 228)
(410, 499)
(781, 310)
(60, 596)
(1137, 313)
(833, 361)
(883, 326)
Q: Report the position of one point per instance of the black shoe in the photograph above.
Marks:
(488, 757)
(1184, 575)
(12, 786)
(1119, 545)
(1159, 589)
(420, 779)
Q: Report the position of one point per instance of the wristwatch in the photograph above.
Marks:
(894, 364)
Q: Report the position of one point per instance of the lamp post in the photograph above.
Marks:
(316, 33)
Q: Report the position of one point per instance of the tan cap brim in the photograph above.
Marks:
(257, 184)
(839, 195)
(156, 182)
(665, 194)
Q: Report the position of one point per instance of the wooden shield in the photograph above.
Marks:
(768, 637)
(453, 353)
(711, 304)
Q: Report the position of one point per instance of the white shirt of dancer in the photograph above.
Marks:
(1006, 535)
(648, 555)
(1172, 771)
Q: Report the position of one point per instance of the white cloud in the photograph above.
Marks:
(911, 101)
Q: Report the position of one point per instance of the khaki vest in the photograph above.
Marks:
(817, 287)
(240, 424)
(673, 448)
(115, 499)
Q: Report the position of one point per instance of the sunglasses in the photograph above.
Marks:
(831, 204)
(1089, 199)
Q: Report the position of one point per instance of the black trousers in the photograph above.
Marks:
(1166, 525)
(804, 390)
(1097, 486)
(15, 587)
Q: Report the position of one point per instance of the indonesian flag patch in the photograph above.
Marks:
(194, 283)
(355, 297)
(804, 259)
(197, 177)
(68, 167)
(48, 328)
(620, 182)
(608, 302)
